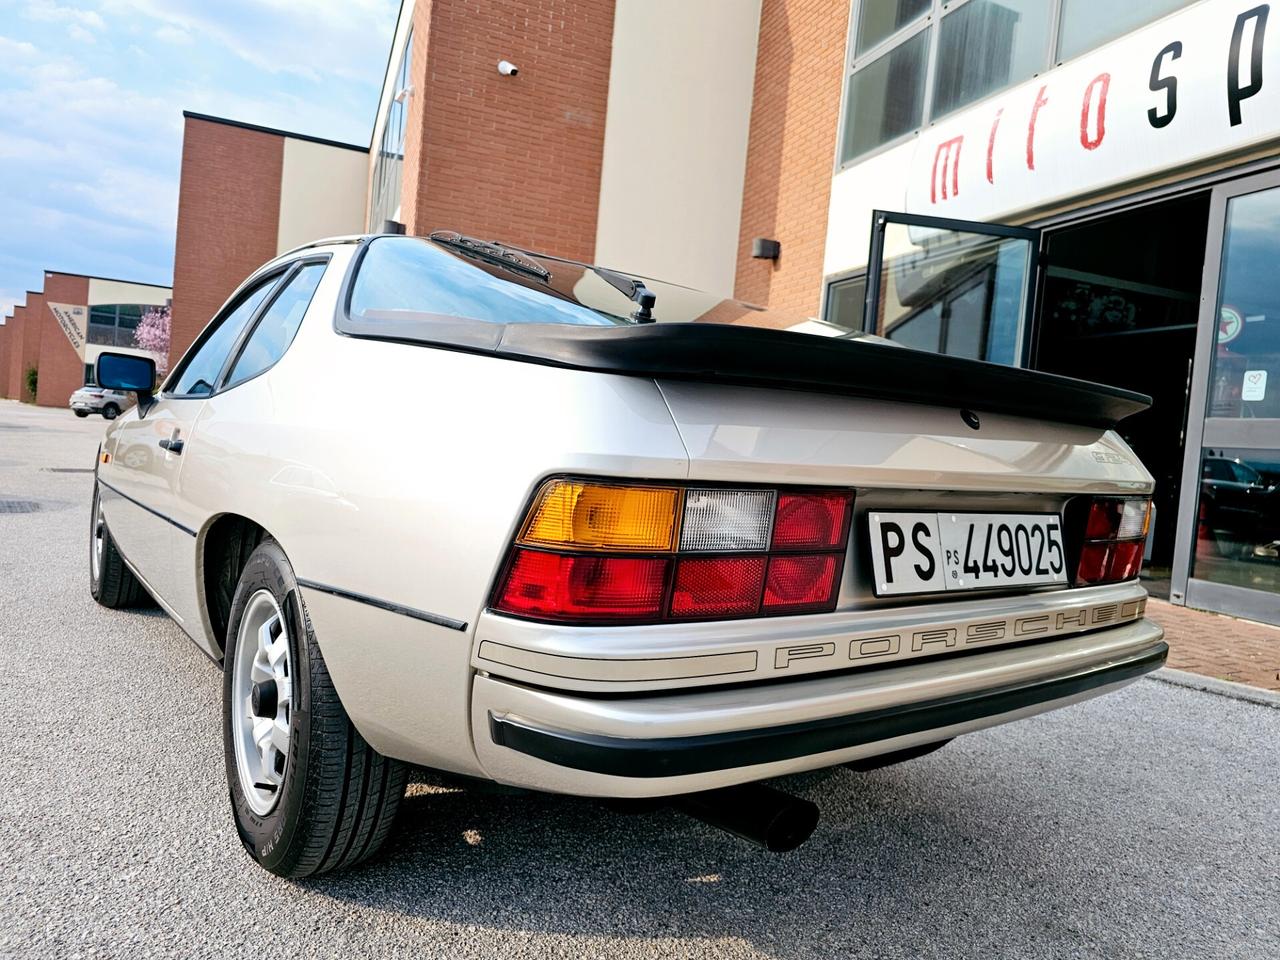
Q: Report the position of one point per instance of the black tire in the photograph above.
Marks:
(81, 413)
(114, 586)
(110, 412)
(339, 797)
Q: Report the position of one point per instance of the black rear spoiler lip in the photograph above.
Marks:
(777, 359)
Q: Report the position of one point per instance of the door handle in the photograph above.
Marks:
(174, 446)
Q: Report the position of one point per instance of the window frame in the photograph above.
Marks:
(880, 220)
(931, 20)
(275, 280)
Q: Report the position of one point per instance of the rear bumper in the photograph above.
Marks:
(662, 745)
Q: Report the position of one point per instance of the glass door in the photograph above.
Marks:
(957, 287)
(1228, 554)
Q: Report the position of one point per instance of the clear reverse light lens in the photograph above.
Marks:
(1133, 522)
(727, 520)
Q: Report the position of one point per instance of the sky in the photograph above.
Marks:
(91, 101)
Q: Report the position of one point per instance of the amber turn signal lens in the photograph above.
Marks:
(596, 516)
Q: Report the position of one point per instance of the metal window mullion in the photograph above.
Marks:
(1055, 25)
(931, 64)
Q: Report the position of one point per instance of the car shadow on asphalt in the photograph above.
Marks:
(570, 866)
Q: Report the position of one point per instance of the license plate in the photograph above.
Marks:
(934, 552)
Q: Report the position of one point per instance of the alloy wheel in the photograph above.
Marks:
(261, 701)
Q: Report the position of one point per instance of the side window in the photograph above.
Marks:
(200, 371)
(275, 331)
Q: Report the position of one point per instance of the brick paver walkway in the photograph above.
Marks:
(1219, 646)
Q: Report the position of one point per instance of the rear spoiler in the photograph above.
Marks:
(777, 359)
(760, 357)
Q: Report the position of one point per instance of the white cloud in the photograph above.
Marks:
(81, 34)
(50, 12)
(342, 39)
(177, 36)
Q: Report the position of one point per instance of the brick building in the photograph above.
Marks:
(62, 328)
(247, 193)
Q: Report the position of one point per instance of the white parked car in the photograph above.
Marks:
(91, 399)
(538, 539)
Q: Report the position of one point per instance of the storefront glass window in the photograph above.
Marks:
(1086, 24)
(1246, 364)
(880, 19)
(969, 48)
(885, 99)
(986, 46)
(1238, 531)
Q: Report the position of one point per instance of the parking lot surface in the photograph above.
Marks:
(1144, 824)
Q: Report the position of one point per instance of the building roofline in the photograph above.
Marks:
(192, 115)
(93, 276)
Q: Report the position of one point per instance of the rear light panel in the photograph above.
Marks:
(1115, 533)
(602, 552)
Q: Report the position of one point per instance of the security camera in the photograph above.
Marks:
(507, 68)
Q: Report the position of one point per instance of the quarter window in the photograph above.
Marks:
(199, 373)
(275, 331)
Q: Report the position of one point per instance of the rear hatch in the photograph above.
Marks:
(911, 463)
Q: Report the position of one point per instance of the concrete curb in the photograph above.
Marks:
(1221, 688)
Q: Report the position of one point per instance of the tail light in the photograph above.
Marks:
(1114, 536)
(613, 552)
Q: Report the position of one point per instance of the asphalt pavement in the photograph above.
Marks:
(1143, 824)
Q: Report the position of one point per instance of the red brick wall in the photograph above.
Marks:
(61, 369)
(28, 354)
(9, 373)
(791, 151)
(5, 331)
(228, 217)
(510, 158)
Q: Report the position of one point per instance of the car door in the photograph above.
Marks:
(147, 519)
(211, 455)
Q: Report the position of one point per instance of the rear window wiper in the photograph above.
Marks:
(493, 253)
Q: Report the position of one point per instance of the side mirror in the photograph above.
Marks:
(129, 373)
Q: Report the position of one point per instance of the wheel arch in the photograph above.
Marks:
(225, 546)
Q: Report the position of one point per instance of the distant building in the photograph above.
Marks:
(61, 328)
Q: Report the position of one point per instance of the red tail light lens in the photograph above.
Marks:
(583, 587)
(1115, 534)
(611, 551)
(717, 586)
(801, 584)
(811, 521)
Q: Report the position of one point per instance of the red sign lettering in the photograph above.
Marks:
(948, 155)
(1102, 82)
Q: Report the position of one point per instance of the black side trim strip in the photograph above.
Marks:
(676, 756)
(436, 618)
(139, 503)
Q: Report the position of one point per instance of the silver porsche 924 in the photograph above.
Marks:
(569, 530)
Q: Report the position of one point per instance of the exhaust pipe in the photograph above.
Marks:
(767, 817)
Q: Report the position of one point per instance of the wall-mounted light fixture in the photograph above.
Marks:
(765, 249)
(404, 93)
